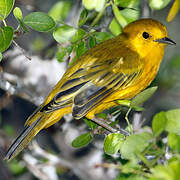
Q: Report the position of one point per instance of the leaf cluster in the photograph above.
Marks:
(151, 154)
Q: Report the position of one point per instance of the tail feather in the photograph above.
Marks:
(25, 137)
(36, 122)
(35, 115)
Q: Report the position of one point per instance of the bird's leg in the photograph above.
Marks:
(109, 128)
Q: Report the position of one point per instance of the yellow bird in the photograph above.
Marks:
(118, 68)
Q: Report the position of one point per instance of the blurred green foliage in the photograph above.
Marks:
(169, 171)
(8, 129)
(0, 56)
(17, 168)
(60, 10)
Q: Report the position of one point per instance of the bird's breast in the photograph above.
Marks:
(146, 77)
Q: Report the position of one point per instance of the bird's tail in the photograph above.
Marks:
(25, 137)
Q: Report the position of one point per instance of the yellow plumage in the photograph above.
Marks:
(118, 68)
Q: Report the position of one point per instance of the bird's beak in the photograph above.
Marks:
(165, 40)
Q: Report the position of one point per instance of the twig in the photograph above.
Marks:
(17, 89)
(22, 50)
(109, 165)
(98, 17)
(41, 169)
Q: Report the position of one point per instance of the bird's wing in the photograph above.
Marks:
(89, 85)
(114, 74)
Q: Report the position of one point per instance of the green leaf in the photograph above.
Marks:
(127, 103)
(96, 4)
(60, 10)
(69, 49)
(113, 142)
(5, 8)
(78, 35)
(83, 17)
(127, 3)
(6, 37)
(102, 36)
(82, 140)
(88, 4)
(90, 123)
(81, 49)
(143, 96)
(119, 17)
(124, 102)
(99, 5)
(166, 172)
(19, 16)
(173, 121)
(130, 14)
(18, 13)
(61, 52)
(92, 41)
(159, 123)
(131, 166)
(135, 144)
(64, 33)
(158, 4)
(39, 21)
(138, 108)
(1, 56)
(174, 142)
(115, 27)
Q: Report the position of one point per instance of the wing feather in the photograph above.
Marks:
(81, 110)
(88, 86)
(84, 102)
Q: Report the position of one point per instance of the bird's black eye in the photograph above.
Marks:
(145, 35)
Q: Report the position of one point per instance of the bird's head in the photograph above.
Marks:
(147, 36)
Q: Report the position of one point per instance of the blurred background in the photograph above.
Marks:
(25, 83)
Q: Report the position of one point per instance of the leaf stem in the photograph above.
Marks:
(100, 14)
(84, 37)
(4, 22)
(127, 120)
(144, 160)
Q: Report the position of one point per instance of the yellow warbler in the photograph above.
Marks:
(118, 68)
